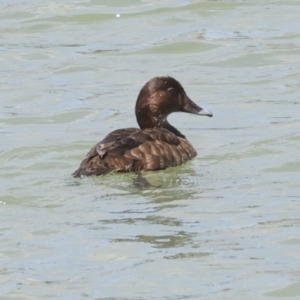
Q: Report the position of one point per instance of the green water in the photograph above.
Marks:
(224, 226)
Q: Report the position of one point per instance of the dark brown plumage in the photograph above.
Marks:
(157, 144)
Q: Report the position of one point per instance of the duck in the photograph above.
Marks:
(156, 144)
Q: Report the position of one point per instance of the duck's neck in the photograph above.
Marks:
(173, 129)
(146, 119)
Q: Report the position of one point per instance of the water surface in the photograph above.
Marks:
(223, 226)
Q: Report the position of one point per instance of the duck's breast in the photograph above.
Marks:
(162, 150)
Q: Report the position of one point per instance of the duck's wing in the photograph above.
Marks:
(136, 150)
(95, 162)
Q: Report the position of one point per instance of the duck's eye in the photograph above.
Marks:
(171, 90)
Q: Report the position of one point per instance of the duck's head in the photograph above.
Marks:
(160, 97)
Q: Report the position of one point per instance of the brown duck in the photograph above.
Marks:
(157, 144)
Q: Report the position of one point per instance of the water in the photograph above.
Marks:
(223, 226)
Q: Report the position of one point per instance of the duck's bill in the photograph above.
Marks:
(205, 112)
(192, 108)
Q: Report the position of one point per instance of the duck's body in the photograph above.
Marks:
(133, 149)
(157, 145)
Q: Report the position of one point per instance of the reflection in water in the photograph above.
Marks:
(165, 241)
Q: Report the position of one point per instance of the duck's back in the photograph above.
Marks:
(137, 150)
